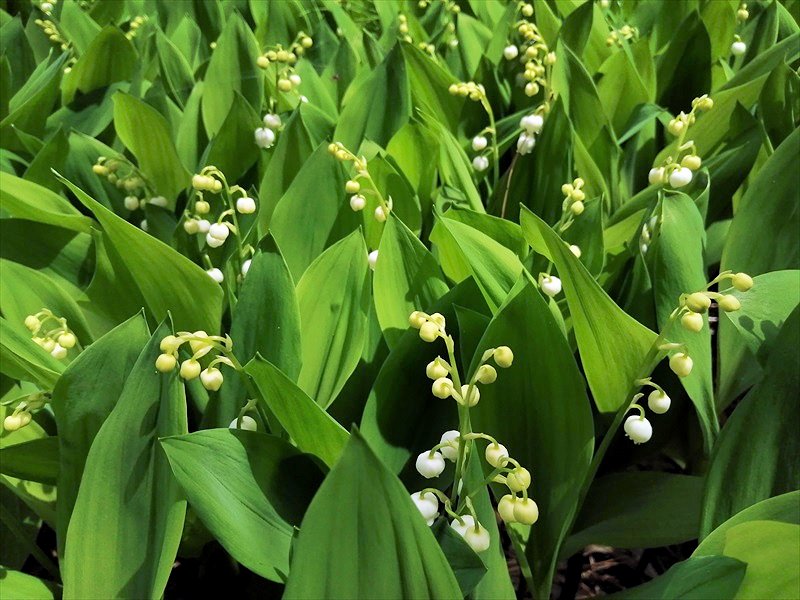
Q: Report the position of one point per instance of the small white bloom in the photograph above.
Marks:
(211, 379)
(272, 121)
(216, 275)
(475, 534)
(496, 455)
(430, 466)
(638, 429)
(213, 242)
(58, 352)
(656, 176)
(372, 259)
(264, 137)
(680, 177)
(510, 52)
(131, 202)
(358, 202)
(479, 142)
(144, 225)
(248, 424)
(480, 163)
(738, 48)
(427, 504)
(525, 143)
(658, 401)
(219, 231)
(576, 250)
(551, 285)
(304, 99)
(532, 123)
(461, 527)
(246, 205)
(203, 225)
(158, 201)
(46, 7)
(450, 452)
(295, 79)
(246, 266)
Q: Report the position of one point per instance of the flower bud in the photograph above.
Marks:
(17, 421)
(295, 79)
(429, 331)
(527, 10)
(469, 396)
(284, 85)
(436, 369)
(248, 424)
(698, 302)
(264, 137)
(32, 322)
(190, 369)
(216, 275)
(246, 205)
(680, 177)
(658, 402)
(159, 201)
(170, 344)
(262, 62)
(372, 259)
(525, 143)
(729, 303)
(358, 202)
(190, 226)
(676, 126)
(428, 505)
(742, 282)
(380, 214)
(131, 202)
(692, 321)
(58, 352)
(450, 452)
(510, 52)
(691, 161)
(442, 387)
(48, 344)
(496, 455)
(638, 429)
(577, 208)
(211, 379)
(216, 185)
(479, 142)
(165, 363)
(475, 534)
(503, 356)
(67, 340)
(486, 374)
(519, 479)
(681, 364)
(430, 465)
(506, 508)
(531, 89)
(272, 121)
(480, 163)
(576, 250)
(738, 48)
(203, 226)
(526, 511)
(656, 176)
(352, 187)
(439, 319)
(416, 319)
(219, 231)
(100, 170)
(532, 123)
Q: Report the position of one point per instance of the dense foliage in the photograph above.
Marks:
(398, 299)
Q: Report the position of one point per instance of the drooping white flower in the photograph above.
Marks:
(680, 177)
(264, 137)
(638, 429)
(159, 201)
(479, 142)
(357, 202)
(203, 225)
(430, 465)
(658, 401)
(475, 534)
(450, 452)
(248, 424)
(272, 121)
(510, 52)
(216, 275)
(738, 48)
(372, 259)
(246, 205)
(131, 202)
(656, 175)
(428, 505)
(551, 285)
(525, 143)
(211, 379)
(480, 163)
(219, 231)
(532, 123)
(246, 266)
(496, 455)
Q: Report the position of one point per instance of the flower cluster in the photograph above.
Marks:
(626, 33)
(46, 7)
(534, 54)
(139, 191)
(455, 445)
(282, 60)
(134, 25)
(49, 28)
(22, 414)
(690, 310)
(477, 93)
(217, 224)
(531, 126)
(738, 47)
(51, 333)
(677, 171)
(201, 345)
(265, 136)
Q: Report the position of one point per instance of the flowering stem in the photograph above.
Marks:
(508, 185)
(464, 427)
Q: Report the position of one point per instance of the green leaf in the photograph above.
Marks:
(612, 345)
(429, 83)
(146, 134)
(312, 429)
(129, 516)
(406, 278)
(377, 545)
(24, 360)
(233, 150)
(28, 200)
(34, 460)
(178, 286)
(554, 440)
(109, 58)
(619, 511)
(745, 470)
(83, 398)
(678, 268)
(21, 586)
(175, 69)
(333, 296)
(467, 566)
(249, 489)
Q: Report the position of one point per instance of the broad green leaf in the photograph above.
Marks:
(23, 359)
(79, 27)
(406, 277)
(554, 440)
(126, 484)
(744, 469)
(249, 489)
(619, 511)
(21, 586)
(467, 566)
(83, 398)
(175, 69)
(35, 460)
(429, 83)
(28, 200)
(109, 58)
(146, 134)
(333, 296)
(233, 150)
(375, 544)
(53, 155)
(178, 285)
(312, 429)
(613, 346)
(678, 268)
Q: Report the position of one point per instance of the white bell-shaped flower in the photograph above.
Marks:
(551, 285)
(450, 452)
(680, 177)
(246, 205)
(272, 121)
(480, 163)
(264, 137)
(532, 123)
(479, 143)
(496, 455)
(219, 231)
(372, 259)
(429, 464)
(216, 275)
(428, 505)
(248, 424)
(658, 401)
(510, 52)
(638, 429)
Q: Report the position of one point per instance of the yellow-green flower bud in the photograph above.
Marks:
(442, 387)
(190, 369)
(698, 302)
(691, 161)
(352, 187)
(487, 374)
(729, 303)
(211, 379)
(416, 319)
(284, 85)
(436, 368)
(429, 331)
(32, 322)
(519, 479)
(503, 356)
(506, 508)
(692, 321)
(166, 363)
(742, 281)
(681, 364)
(496, 455)
(526, 511)
(67, 340)
(577, 207)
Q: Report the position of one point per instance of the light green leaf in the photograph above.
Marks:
(23, 359)
(28, 200)
(34, 460)
(21, 586)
